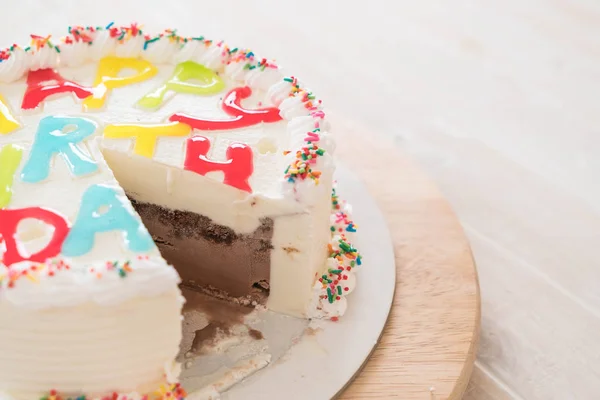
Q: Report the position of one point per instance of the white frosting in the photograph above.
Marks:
(279, 92)
(130, 46)
(65, 288)
(103, 45)
(237, 71)
(192, 50)
(75, 54)
(215, 57)
(293, 107)
(90, 348)
(44, 57)
(263, 79)
(15, 67)
(161, 51)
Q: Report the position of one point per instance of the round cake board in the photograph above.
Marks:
(428, 346)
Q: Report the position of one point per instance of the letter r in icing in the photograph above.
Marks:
(189, 77)
(108, 77)
(237, 169)
(52, 139)
(119, 216)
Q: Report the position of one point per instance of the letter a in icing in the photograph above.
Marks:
(189, 77)
(146, 136)
(47, 82)
(9, 222)
(10, 158)
(237, 169)
(232, 105)
(108, 77)
(8, 122)
(52, 139)
(119, 217)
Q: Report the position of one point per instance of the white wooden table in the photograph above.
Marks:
(497, 100)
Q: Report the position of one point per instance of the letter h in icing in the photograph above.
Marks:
(237, 169)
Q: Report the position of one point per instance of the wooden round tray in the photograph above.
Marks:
(428, 347)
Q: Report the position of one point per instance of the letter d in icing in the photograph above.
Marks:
(51, 139)
(108, 77)
(9, 222)
(90, 221)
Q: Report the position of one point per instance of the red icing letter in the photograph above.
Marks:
(232, 106)
(47, 82)
(9, 221)
(237, 168)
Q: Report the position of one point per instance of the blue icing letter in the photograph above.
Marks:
(53, 136)
(117, 215)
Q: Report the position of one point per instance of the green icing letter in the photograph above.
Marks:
(10, 158)
(189, 77)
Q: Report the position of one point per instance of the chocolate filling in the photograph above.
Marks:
(212, 257)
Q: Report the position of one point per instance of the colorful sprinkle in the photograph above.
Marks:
(301, 168)
(171, 392)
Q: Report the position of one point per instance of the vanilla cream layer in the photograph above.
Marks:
(90, 348)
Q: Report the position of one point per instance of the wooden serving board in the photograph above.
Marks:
(428, 347)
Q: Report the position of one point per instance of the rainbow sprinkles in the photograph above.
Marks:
(114, 140)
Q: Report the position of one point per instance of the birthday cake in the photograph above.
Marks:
(131, 164)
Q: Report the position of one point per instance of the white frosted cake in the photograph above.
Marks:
(131, 164)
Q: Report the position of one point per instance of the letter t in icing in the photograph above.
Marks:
(54, 137)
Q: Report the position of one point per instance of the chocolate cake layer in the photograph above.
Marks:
(210, 256)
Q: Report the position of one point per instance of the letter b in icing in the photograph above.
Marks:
(118, 216)
(205, 82)
(51, 139)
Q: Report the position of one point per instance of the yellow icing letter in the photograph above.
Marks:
(108, 77)
(10, 158)
(146, 135)
(8, 122)
(189, 77)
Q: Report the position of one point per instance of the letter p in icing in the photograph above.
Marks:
(189, 77)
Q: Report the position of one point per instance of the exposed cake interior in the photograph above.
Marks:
(212, 257)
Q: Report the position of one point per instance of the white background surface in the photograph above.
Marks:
(498, 101)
